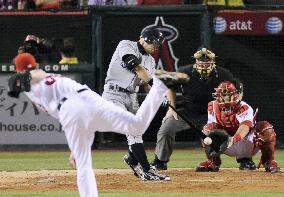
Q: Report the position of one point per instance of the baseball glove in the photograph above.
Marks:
(19, 82)
(172, 79)
(220, 142)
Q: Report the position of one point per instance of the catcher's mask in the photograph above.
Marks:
(205, 62)
(226, 95)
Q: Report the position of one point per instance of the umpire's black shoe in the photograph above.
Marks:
(246, 164)
(158, 164)
(137, 169)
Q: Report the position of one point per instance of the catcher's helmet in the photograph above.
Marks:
(152, 36)
(227, 95)
(205, 62)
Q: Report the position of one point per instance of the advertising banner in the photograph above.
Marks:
(21, 122)
(246, 22)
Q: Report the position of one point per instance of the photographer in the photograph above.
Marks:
(40, 48)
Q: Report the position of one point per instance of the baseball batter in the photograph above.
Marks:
(228, 112)
(81, 112)
(130, 68)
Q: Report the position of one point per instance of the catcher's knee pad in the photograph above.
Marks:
(134, 139)
(265, 140)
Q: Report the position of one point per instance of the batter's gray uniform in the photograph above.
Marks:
(121, 85)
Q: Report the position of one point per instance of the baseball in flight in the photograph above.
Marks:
(207, 141)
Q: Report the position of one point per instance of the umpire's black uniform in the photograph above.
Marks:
(196, 95)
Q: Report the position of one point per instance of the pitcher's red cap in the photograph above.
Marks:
(25, 61)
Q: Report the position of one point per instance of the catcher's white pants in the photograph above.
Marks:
(85, 113)
(243, 148)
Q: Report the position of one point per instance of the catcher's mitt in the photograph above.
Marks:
(220, 142)
(19, 82)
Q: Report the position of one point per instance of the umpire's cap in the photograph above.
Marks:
(152, 35)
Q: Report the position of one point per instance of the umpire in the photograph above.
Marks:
(204, 76)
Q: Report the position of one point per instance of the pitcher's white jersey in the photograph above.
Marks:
(47, 93)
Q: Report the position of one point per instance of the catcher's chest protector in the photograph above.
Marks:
(227, 120)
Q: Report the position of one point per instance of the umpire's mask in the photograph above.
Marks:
(205, 62)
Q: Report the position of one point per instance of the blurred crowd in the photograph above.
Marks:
(36, 4)
(47, 4)
(47, 50)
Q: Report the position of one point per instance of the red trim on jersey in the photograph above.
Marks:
(248, 123)
(217, 112)
(242, 109)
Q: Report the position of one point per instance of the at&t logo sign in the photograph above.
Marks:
(219, 24)
(274, 25)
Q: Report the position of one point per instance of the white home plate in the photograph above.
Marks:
(205, 180)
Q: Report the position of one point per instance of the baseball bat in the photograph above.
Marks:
(199, 132)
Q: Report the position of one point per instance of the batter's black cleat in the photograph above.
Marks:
(158, 164)
(246, 164)
(137, 169)
(153, 175)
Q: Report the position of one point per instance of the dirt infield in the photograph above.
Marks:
(183, 180)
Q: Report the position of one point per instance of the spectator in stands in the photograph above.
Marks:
(68, 52)
(8, 5)
(224, 2)
(193, 1)
(263, 2)
(30, 5)
(109, 2)
(159, 2)
(49, 4)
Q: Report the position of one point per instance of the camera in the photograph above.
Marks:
(41, 48)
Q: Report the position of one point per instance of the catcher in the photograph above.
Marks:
(233, 131)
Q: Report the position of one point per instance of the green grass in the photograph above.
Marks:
(188, 158)
(40, 160)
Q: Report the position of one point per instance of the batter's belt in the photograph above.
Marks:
(119, 89)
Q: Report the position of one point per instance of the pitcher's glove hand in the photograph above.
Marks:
(221, 140)
(19, 82)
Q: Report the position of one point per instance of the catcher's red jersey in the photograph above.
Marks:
(230, 121)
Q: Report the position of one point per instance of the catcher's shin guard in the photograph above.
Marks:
(266, 140)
